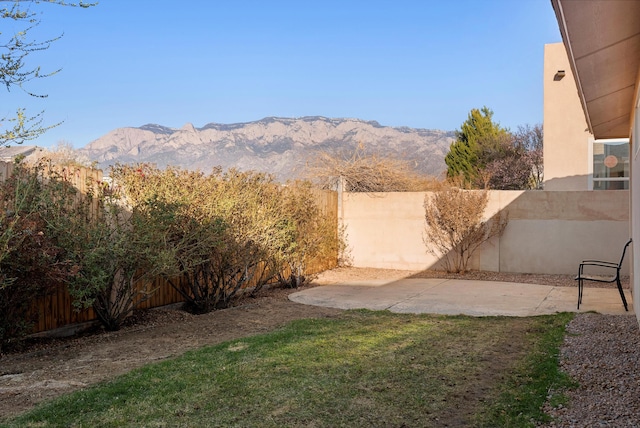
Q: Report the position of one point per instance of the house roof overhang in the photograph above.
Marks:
(602, 39)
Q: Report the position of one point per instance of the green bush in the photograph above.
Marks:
(32, 262)
(218, 235)
(106, 244)
(315, 234)
(212, 237)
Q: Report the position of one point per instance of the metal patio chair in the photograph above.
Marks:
(602, 266)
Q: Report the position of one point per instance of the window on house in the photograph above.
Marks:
(611, 164)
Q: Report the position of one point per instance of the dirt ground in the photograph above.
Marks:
(45, 369)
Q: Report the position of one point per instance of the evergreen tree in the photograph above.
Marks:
(478, 142)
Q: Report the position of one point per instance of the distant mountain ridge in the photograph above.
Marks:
(281, 146)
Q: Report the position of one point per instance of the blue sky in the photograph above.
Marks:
(422, 64)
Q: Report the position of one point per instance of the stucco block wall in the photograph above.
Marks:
(385, 230)
(635, 197)
(548, 232)
(566, 148)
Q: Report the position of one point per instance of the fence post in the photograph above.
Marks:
(341, 187)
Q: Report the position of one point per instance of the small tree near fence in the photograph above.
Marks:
(455, 227)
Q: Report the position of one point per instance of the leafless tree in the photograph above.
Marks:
(455, 227)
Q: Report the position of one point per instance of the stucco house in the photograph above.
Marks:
(573, 158)
(602, 44)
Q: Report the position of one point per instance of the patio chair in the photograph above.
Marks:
(614, 276)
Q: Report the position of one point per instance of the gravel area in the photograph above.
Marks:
(602, 354)
(553, 280)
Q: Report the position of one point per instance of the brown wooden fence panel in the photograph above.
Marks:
(163, 294)
(56, 310)
(328, 201)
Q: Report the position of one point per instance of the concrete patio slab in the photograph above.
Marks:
(461, 297)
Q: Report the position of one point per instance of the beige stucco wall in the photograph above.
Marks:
(566, 148)
(634, 188)
(548, 232)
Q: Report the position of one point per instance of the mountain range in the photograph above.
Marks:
(280, 146)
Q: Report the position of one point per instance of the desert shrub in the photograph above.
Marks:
(214, 235)
(218, 235)
(245, 208)
(260, 232)
(32, 262)
(455, 227)
(112, 252)
(108, 246)
(182, 234)
(315, 237)
(361, 171)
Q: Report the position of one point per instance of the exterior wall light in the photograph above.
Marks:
(559, 75)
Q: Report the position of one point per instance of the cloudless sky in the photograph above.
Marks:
(422, 64)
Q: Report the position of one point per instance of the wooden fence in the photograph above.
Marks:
(56, 309)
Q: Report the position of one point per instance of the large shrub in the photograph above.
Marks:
(315, 234)
(221, 234)
(455, 227)
(364, 171)
(109, 247)
(111, 251)
(211, 236)
(32, 261)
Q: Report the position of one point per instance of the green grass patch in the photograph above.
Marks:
(535, 379)
(362, 369)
